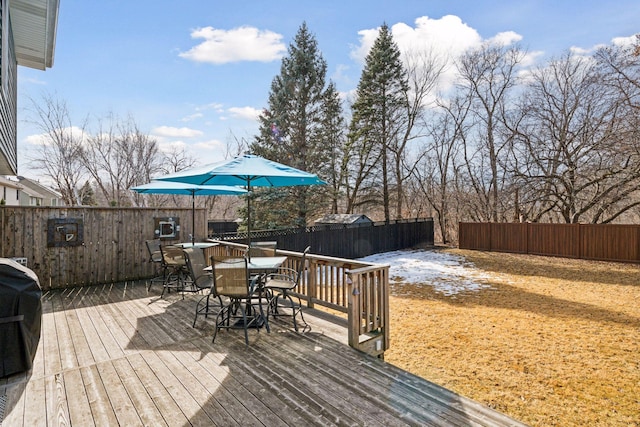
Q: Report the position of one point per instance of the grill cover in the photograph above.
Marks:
(20, 317)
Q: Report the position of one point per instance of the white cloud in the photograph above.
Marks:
(238, 44)
(531, 58)
(445, 36)
(45, 139)
(626, 41)
(341, 74)
(173, 132)
(505, 38)
(212, 144)
(616, 41)
(192, 117)
(443, 39)
(168, 147)
(248, 113)
(32, 80)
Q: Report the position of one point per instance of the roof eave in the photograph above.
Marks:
(34, 24)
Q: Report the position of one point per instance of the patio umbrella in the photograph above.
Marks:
(187, 189)
(249, 171)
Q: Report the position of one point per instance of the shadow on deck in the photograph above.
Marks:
(119, 355)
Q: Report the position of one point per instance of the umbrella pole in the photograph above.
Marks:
(193, 219)
(249, 218)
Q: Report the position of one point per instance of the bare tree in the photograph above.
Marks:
(488, 74)
(423, 69)
(119, 156)
(581, 150)
(58, 156)
(440, 169)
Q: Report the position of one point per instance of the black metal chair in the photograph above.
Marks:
(281, 284)
(155, 256)
(177, 276)
(258, 249)
(244, 310)
(202, 280)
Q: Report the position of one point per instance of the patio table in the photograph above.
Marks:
(199, 245)
(259, 265)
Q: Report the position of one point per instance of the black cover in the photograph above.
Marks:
(20, 317)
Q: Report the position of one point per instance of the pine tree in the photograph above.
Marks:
(87, 195)
(377, 121)
(292, 132)
(333, 135)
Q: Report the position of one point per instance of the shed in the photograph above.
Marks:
(346, 219)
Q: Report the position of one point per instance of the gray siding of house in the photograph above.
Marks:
(8, 96)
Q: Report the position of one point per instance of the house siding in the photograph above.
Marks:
(8, 96)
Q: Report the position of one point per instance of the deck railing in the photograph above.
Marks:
(357, 289)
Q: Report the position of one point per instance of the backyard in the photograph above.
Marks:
(548, 341)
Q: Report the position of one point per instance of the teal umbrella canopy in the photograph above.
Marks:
(181, 188)
(248, 171)
(186, 189)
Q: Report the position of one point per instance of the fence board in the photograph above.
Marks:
(113, 245)
(346, 241)
(605, 242)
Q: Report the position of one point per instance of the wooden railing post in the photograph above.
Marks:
(312, 283)
(353, 310)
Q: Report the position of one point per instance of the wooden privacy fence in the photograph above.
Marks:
(105, 245)
(358, 289)
(605, 242)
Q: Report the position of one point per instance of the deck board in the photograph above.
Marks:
(121, 355)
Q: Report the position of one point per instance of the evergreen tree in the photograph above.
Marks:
(292, 132)
(333, 135)
(378, 117)
(87, 195)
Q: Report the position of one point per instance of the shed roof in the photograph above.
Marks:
(342, 219)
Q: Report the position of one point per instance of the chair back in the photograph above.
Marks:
(302, 265)
(153, 246)
(231, 277)
(194, 257)
(258, 249)
(173, 256)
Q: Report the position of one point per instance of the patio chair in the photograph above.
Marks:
(258, 249)
(155, 256)
(244, 308)
(202, 280)
(177, 276)
(280, 284)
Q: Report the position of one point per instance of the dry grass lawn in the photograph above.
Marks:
(552, 341)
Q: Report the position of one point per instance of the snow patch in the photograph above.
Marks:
(446, 273)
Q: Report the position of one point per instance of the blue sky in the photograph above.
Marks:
(194, 73)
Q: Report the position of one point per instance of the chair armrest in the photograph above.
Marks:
(284, 274)
(253, 284)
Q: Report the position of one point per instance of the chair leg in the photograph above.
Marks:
(244, 323)
(198, 309)
(295, 309)
(264, 318)
(220, 321)
(161, 275)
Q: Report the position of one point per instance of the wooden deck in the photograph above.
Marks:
(117, 355)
